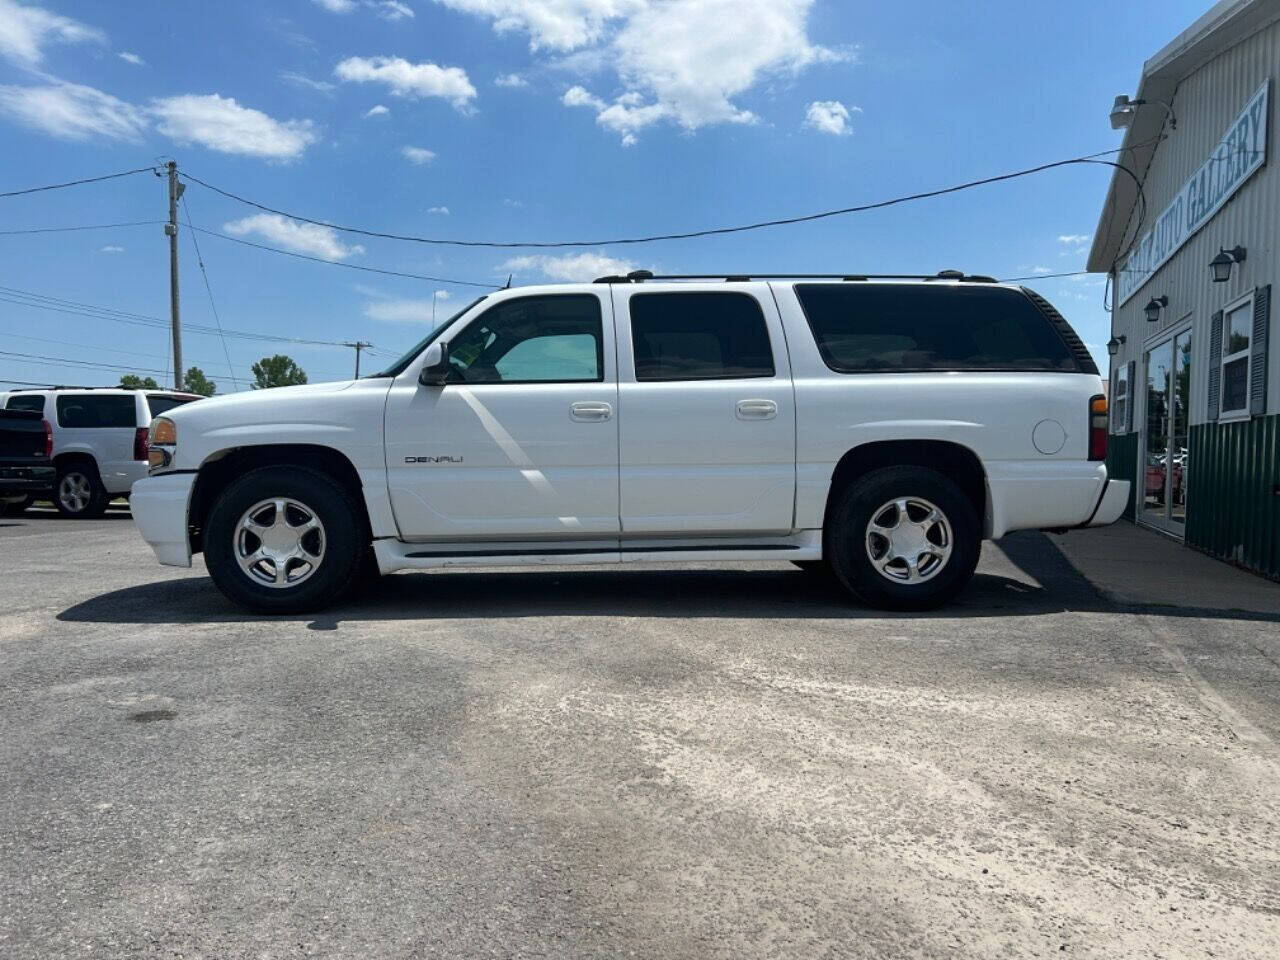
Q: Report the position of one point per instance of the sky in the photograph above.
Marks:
(525, 120)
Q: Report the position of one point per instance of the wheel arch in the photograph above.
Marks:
(954, 460)
(219, 469)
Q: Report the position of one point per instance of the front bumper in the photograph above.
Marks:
(19, 481)
(160, 506)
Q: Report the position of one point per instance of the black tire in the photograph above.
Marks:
(78, 492)
(341, 542)
(850, 555)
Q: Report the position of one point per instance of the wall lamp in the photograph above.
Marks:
(1154, 306)
(1221, 264)
(1114, 344)
(1124, 110)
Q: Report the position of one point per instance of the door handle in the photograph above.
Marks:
(757, 409)
(589, 411)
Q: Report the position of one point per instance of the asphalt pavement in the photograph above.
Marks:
(658, 762)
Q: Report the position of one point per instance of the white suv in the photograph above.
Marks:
(99, 439)
(882, 428)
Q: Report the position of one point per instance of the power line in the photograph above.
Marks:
(1046, 276)
(349, 266)
(692, 234)
(212, 306)
(77, 183)
(87, 226)
(91, 346)
(66, 361)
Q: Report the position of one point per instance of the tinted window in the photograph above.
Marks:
(870, 328)
(554, 339)
(699, 336)
(161, 404)
(27, 401)
(87, 410)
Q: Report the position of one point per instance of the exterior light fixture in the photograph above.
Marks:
(1221, 264)
(1154, 306)
(1113, 345)
(1124, 110)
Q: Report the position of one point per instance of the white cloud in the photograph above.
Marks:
(405, 79)
(570, 268)
(221, 124)
(70, 111)
(677, 61)
(829, 116)
(337, 6)
(408, 311)
(309, 238)
(302, 80)
(377, 111)
(111, 249)
(24, 31)
(132, 58)
(440, 211)
(387, 9)
(1074, 239)
(418, 155)
(1042, 270)
(510, 80)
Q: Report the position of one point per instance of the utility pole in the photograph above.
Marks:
(358, 346)
(171, 231)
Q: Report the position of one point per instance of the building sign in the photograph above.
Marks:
(1239, 154)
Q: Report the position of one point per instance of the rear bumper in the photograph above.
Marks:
(1114, 497)
(159, 506)
(19, 481)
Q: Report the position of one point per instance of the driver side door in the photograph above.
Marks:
(522, 441)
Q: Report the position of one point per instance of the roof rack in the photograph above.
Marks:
(640, 276)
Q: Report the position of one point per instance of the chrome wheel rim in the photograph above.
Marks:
(909, 540)
(74, 492)
(279, 543)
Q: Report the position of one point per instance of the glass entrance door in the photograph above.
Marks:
(1165, 431)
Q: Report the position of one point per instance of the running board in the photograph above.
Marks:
(395, 555)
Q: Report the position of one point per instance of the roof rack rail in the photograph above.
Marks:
(640, 276)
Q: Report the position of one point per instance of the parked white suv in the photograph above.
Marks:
(881, 427)
(99, 439)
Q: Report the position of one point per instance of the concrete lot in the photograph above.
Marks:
(667, 763)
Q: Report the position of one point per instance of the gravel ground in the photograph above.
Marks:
(651, 762)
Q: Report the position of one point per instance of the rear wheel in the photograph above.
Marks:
(284, 540)
(904, 538)
(78, 492)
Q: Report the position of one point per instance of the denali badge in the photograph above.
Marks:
(432, 459)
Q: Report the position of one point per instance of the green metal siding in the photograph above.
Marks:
(1122, 464)
(1233, 511)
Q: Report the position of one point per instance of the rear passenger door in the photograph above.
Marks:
(706, 412)
(103, 426)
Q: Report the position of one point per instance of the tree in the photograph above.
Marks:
(277, 371)
(196, 382)
(131, 381)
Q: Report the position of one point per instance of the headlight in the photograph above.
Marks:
(160, 442)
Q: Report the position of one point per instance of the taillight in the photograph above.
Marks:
(1098, 428)
(48, 441)
(140, 449)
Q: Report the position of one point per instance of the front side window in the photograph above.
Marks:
(160, 403)
(1237, 328)
(26, 401)
(552, 339)
(699, 336)
(87, 410)
(865, 327)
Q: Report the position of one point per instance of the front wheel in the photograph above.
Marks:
(284, 540)
(904, 538)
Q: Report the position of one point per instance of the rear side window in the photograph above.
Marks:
(699, 336)
(886, 328)
(26, 401)
(86, 410)
(161, 404)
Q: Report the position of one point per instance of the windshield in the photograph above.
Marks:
(397, 368)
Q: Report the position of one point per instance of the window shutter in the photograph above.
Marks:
(1133, 391)
(1215, 364)
(1258, 358)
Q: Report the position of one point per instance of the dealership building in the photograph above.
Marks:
(1189, 238)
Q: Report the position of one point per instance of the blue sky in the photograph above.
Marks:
(531, 120)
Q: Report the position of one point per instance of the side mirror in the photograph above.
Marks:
(435, 366)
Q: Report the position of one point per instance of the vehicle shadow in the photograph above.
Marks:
(1051, 585)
